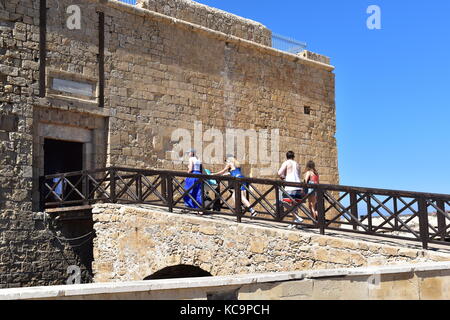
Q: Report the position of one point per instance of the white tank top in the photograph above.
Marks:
(196, 164)
(293, 176)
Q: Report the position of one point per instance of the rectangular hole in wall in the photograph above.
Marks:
(73, 87)
(307, 110)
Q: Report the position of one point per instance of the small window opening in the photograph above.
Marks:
(307, 110)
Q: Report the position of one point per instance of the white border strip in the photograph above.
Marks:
(206, 282)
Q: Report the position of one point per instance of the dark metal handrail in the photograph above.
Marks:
(379, 212)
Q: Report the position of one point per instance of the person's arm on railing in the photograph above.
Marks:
(227, 167)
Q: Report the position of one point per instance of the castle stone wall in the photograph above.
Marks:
(161, 74)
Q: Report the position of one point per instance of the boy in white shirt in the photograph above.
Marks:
(290, 172)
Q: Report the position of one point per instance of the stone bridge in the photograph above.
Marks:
(143, 242)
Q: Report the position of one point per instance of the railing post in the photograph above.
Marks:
(354, 210)
(202, 191)
(112, 185)
(423, 222)
(85, 186)
(139, 187)
(369, 213)
(169, 188)
(163, 177)
(395, 212)
(217, 201)
(237, 200)
(278, 206)
(441, 219)
(321, 210)
(63, 189)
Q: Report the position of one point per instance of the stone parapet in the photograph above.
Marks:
(210, 18)
(315, 57)
(133, 243)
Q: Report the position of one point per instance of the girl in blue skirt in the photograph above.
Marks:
(195, 167)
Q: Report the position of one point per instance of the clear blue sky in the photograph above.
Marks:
(392, 85)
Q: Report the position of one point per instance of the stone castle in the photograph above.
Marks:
(87, 84)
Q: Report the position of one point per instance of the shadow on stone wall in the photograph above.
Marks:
(73, 239)
(179, 271)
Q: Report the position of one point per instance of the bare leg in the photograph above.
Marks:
(244, 200)
(312, 206)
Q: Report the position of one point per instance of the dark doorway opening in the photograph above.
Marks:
(179, 271)
(75, 227)
(62, 157)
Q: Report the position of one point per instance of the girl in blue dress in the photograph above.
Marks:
(234, 168)
(195, 167)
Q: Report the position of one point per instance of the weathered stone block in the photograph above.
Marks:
(9, 122)
(396, 287)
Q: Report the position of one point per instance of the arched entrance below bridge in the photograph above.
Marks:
(179, 271)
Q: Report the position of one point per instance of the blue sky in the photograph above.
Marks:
(392, 85)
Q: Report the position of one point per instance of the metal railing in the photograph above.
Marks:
(287, 44)
(396, 214)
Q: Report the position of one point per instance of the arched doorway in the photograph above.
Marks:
(179, 271)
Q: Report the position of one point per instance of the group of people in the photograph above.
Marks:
(232, 167)
(289, 172)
